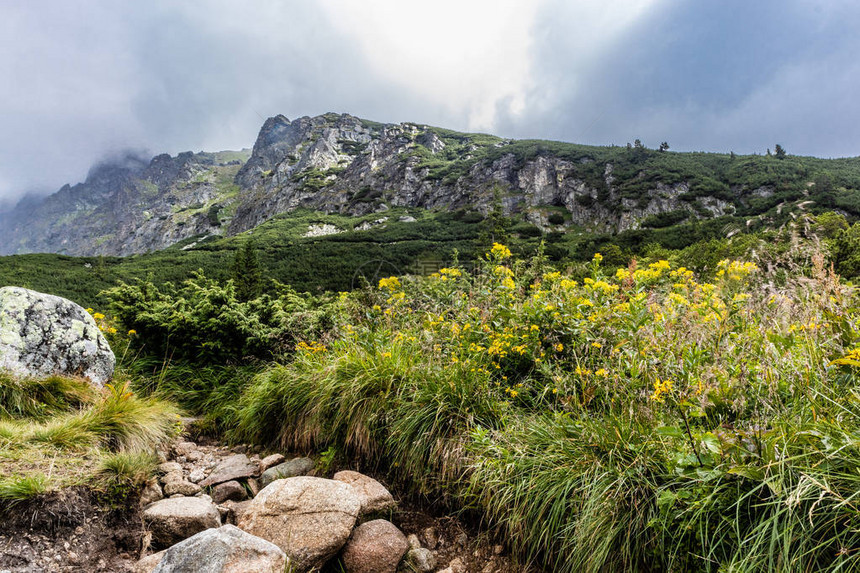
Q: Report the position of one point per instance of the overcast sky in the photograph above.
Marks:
(80, 80)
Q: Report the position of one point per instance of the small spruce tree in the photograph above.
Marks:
(246, 272)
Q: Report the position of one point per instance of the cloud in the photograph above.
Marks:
(96, 76)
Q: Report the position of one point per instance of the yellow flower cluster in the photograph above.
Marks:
(661, 388)
(391, 284)
(735, 270)
(500, 251)
(310, 347)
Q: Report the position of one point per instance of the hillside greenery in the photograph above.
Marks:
(639, 417)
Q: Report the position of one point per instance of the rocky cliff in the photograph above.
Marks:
(128, 205)
(340, 163)
(344, 164)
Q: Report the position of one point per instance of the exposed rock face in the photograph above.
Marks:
(375, 547)
(127, 205)
(227, 549)
(172, 520)
(42, 334)
(343, 164)
(347, 165)
(373, 495)
(309, 518)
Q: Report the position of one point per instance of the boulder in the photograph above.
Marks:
(373, 495)
(309, 518)
(226, 549)
(181, 487)
(293, 468)
(175, 519)
(229, 490)
(42, 334)
(234, 467)
(375, 547)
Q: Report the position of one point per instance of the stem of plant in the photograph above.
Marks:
(690, 436)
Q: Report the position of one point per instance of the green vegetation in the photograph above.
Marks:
(633, 417)
(59, 432)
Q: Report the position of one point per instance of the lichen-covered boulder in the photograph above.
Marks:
(42, 334)
(226, 549)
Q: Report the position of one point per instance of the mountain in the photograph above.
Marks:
(343, 164)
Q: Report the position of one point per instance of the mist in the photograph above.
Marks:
(94, 77)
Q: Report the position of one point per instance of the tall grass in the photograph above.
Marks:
(22, 397)
(637, 421)
(120, 420)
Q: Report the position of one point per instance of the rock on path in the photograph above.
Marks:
(309, 518)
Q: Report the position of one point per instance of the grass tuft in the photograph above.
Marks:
(39, 398)
(17, 489)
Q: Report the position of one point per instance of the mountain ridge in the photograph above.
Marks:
(339, 163)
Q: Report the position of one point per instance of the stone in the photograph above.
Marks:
(151, 493)
(373, 495)
(42, 334)
(413, 541)
(420, 559)
(254, 486)
(194, 456)
(181, 487)
(270, 461)
(309, 518)
(374, 547)
(148, 563)
(172, 477)
(229, 490)
(172, 520)
(196, 475)
(169, 467)
(226, 549)
(293, 468)
(184, 448)
(233, 467)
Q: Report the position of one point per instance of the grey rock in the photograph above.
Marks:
(172, 477)
(271, 461)
(181, 487)
(184, 448)
(420, 559)
(42, 334)
(374, 547)
(309, 518)
(196, 475)
(413, 541)
(172, 520)
(293, 468)
(226, 549)
(169, 467)
(233, 467)
(229, 490)
(373, 495)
